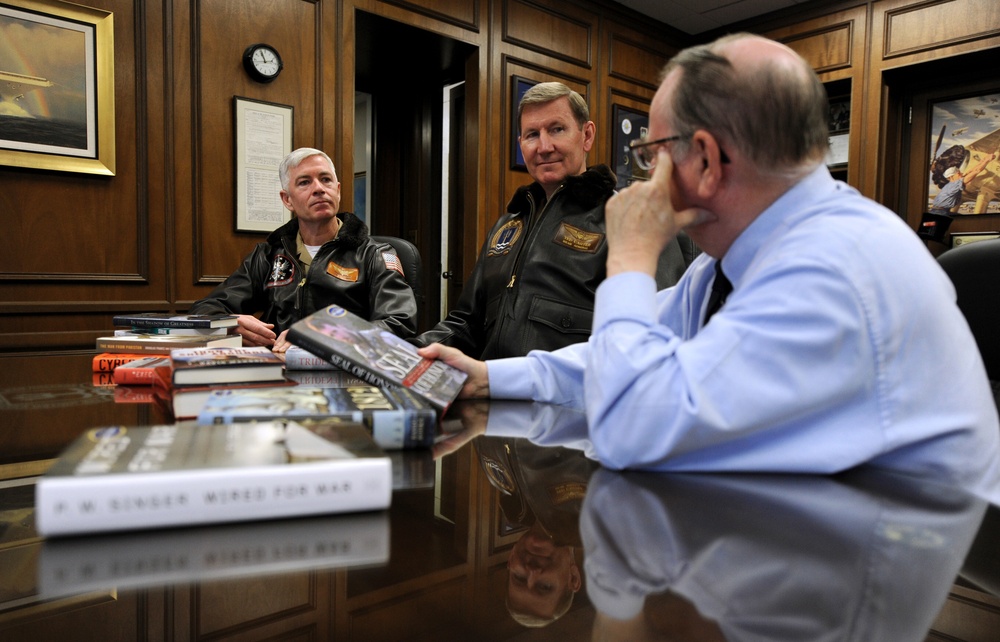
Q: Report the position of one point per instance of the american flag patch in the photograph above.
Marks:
(392, 262)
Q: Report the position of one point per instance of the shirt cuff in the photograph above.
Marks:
(507, 378)
(629, 295)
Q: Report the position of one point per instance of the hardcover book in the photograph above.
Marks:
(376, 355)
(160, 320)
(225, 365)
(185, 402)
(124, 332)
(125, 478)
(397, 418)
(148, 344)
(139, 372)
(108, 361)
(75, 565)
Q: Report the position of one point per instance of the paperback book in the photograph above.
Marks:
(397, 418)
(185, 402)
(376, 355)
(160, 320)
(166, 557)
(225, 365)
(148, 344)
(139, 372)
(125, 478)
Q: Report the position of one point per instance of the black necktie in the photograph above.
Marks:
(721, 287)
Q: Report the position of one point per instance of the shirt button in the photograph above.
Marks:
(566, 322)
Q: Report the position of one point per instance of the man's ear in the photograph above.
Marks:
(589, 135)
(707, 149)
(286, 201)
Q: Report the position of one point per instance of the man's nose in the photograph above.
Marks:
(545, 142)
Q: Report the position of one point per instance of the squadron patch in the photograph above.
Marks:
(505, 238)
(341, 272)
(577, 239)
(282, 272)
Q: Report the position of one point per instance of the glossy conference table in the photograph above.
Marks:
(493, 536)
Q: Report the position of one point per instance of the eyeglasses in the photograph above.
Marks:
(645, 151)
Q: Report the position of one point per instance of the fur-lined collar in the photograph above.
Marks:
(353, 231)
(597, 183)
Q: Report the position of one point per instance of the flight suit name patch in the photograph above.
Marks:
(341, 272)
(577, 239)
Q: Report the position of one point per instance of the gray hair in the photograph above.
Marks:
(546, 92)
(294, 159)
(775, 115)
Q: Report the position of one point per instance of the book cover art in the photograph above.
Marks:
(160, 320)
(164, 343)
(230, 364)
(68, 566)
(375, 354)
(119, 478)
(397, 418)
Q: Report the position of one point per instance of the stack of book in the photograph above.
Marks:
(153, 333)
(190, 375)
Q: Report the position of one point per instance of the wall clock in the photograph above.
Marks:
(262, 62)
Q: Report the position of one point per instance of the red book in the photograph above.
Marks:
(108, 361)
(140, 371)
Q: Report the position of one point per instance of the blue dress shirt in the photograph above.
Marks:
(840, 344)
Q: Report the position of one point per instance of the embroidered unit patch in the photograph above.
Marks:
(282, 272)
(341, 272)
(504, 239)
(577, 239)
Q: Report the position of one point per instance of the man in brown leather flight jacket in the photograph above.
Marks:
(534, 282)
(319, 258)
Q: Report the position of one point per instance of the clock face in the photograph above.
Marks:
(262, 62)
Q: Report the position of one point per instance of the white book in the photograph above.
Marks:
(122, 478)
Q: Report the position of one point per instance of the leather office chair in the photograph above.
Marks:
(975, 270)
(409, 256)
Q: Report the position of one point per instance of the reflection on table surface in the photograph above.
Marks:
(507, 530)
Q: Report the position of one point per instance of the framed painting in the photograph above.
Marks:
(519, 86)
(627, 125)
(57, 101)
(964, 151)
(263, 138)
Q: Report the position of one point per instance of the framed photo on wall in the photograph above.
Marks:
(57, 97)
(518, 88)
(627, 125)
(263, 138)
(964, 134)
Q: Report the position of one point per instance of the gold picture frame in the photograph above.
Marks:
(59, 102)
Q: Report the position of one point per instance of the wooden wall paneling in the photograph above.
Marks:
(834, 45)
(906, 33)
(462, 13)
(220, 31)
(558, 30)
(90, 239)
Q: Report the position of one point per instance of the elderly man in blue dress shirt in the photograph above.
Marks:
(840, 342)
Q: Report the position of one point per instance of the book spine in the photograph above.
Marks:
(403, 429)
(129, 347)
(140, 322)
(75, 504)
(107, 362)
